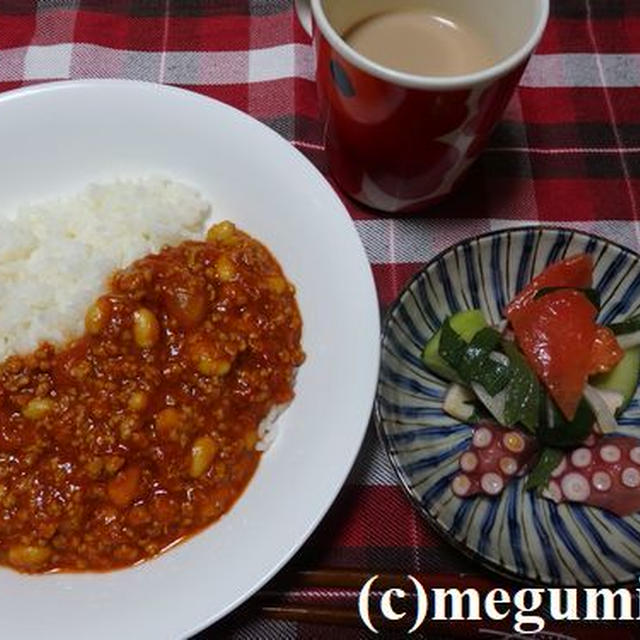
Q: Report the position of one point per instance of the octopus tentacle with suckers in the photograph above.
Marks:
(603, 472)
(496, 455)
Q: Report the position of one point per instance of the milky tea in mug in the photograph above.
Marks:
(409, 90)
(422, 41)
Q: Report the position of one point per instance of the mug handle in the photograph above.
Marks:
(303, 9)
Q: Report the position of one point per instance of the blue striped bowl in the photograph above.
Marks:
(515, 533)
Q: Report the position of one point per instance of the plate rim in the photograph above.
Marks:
(442, 533)
(367, 381)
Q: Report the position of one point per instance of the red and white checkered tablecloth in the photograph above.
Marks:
(567, 151)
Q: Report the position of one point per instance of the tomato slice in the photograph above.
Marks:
(556, 335)
(605, 353)
(575, 271)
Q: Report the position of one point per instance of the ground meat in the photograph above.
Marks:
(143, 431)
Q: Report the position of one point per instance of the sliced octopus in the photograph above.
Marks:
(604, 472)
(496, 455)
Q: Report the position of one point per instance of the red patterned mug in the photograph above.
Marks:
(399, 142)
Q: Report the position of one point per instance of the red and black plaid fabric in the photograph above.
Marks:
(567, 151)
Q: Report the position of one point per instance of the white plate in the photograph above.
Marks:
(55, 139)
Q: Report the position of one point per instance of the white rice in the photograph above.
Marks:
(268, 427)
(56, 256)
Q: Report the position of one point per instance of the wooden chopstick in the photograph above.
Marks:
(315, 615)
(302, 596)
(284, 599)
(336, 616)
(354, 579)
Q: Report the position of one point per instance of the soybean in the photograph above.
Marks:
(146, 328)
(203, 451)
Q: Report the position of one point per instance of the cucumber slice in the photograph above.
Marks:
(629, 340)
(540, 475)
(478, 363)
(623, 378)
(466, 324)
(557, 432)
